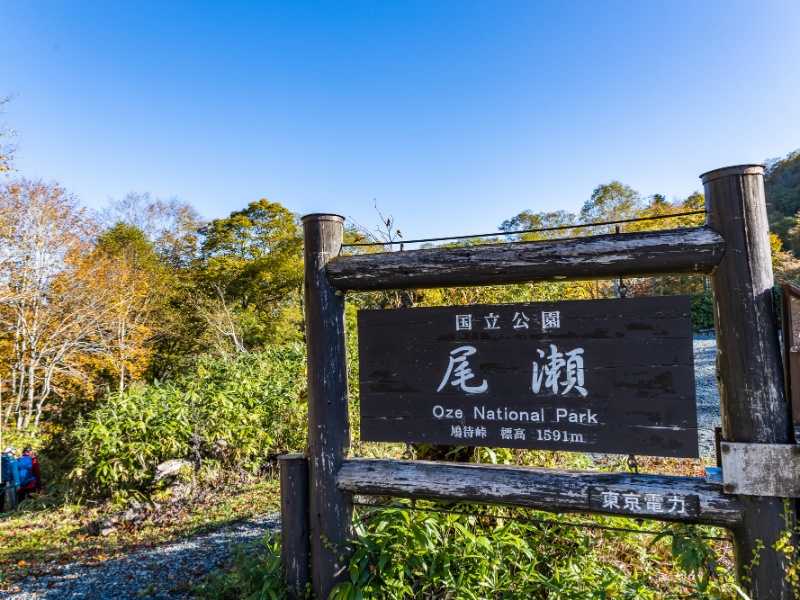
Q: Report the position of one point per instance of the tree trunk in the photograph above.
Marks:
(30, 397)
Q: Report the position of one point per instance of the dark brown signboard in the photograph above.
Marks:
(613, 376)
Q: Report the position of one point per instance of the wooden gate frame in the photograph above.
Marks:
(733, 247)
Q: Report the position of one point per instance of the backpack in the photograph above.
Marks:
(7, 473)
(25, 466)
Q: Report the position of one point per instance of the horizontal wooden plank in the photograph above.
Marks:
(552, 490)
(761, 469)
(642, 254)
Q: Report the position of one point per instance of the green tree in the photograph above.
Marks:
(612, 202)
(251, 273)
(782, 190)
(171, 226)
(129, 243)
(782, 185)
(551, 221)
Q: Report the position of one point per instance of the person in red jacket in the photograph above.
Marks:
(31, 481)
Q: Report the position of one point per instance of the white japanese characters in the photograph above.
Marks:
(491, 321)
(559, 372)
(649, 503)
(554, 372)
(463, 322)
(459, 373)
(558, 364)
(467, 431)
(520, 320)
(509, 433)
(551, 320)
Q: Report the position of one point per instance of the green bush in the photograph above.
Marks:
(702, 312)
(254, 402)
(467, 552)
(402, 554)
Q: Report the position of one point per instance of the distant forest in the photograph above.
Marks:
(782, 185)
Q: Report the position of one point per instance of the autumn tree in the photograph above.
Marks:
(135, 282)
(170, 227)
(50, 303)
(8, 140)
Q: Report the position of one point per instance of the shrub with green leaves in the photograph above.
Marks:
(403, 554)
(468, 552)
(702, 312)
(253, 402)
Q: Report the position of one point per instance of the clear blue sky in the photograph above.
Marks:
(453, 115)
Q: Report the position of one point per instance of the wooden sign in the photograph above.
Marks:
(613, 376)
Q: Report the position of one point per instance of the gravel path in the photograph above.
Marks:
(166, 573)
(705, 360)
(163, 573)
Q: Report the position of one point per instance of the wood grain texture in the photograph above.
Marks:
(550, 490)
(690, 250)
(295, 548)
(328, 420)
(752, 401)
(635, 367)
(790, 326)
(761, 469)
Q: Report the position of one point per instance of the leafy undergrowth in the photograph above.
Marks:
(407, 550)
(472, 553)
(30, 539)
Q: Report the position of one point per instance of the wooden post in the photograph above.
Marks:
(330, 510)
(752, 399)
(790, 311)
(295, 550)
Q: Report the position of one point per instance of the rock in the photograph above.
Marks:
(93, 528)
(179, 490)
(109, 521)
(170, 468)
(112, 523)
(129, 515)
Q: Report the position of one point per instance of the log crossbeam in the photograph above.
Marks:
(640, 254)
(551, 490)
